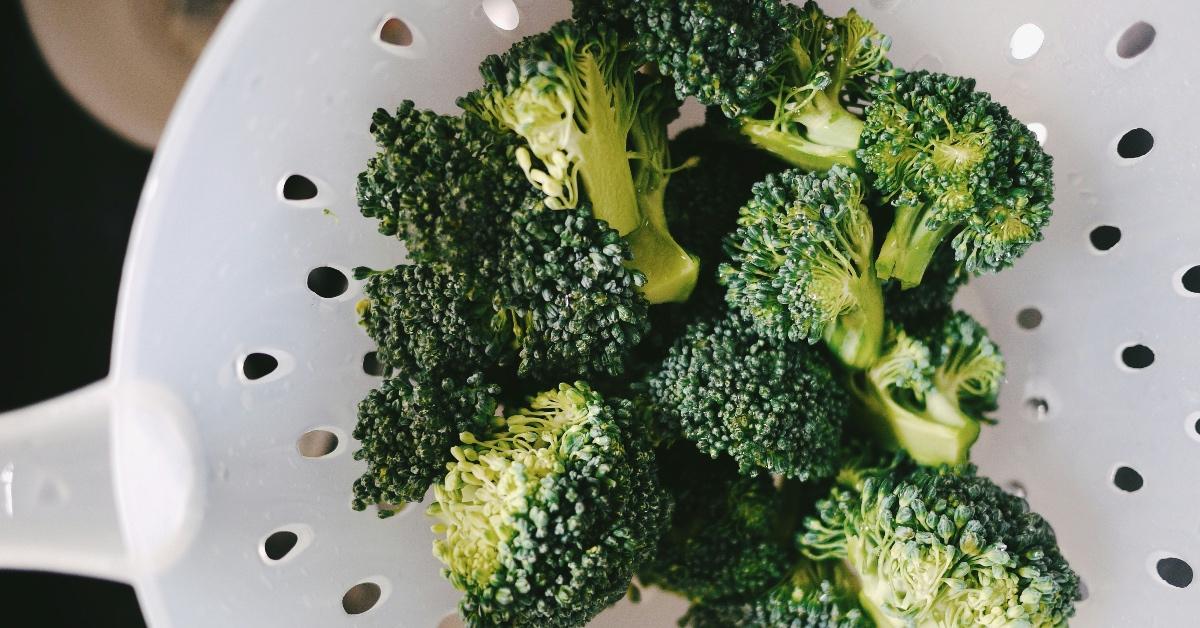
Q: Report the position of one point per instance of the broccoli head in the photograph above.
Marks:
(728, 534)
(813, 595)
(593, 128)
(956, 166)
(941, 547)
(932, 387)
(801, 263)
(783, 74)
(407, 427)
(544, 522)
(773, 406)
(444, 185)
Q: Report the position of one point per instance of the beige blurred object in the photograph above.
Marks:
(125, 61)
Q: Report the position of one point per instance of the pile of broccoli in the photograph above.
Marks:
(725, 363)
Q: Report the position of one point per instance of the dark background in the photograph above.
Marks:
(69, 190)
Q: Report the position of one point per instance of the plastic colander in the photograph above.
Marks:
(212, 469)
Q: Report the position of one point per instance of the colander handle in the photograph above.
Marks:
(58, 508)
(102, 481)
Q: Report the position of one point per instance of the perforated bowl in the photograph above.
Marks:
(212, 469)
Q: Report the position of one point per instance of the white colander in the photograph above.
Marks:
(174, 472)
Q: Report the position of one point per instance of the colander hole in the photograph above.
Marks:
(327, 282)
(1135, 143)
(395, 32)
(1026, 41)
(317, 443)
(279, 544)
(361, 598)
(1174, 572)
(1196, 427)
(1135, 40)
(1016, 488)
(1039, 131)
(297, 187)
(1191, 280)
(1105, 237)
(1083, 590)
(258, 365)
(502, 13)
(451, 620)
(371, 364)
(1137, 356)
(1128, 480)
(1029, 318)
(1037, 408)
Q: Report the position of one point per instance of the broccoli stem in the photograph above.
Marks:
(909, 246)
(856, 337)
(795, 149)
(827, 123)
(670, 271)
(607, 175)
(938, 434)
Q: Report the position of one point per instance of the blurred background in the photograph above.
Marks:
(87, 88)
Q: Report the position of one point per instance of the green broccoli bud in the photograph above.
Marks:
(544, 522)
(575, 98)
(772, 406)
(957, 167)
(813, 595)
(407, 427)
(929, 391)
(426, 320)
(444, 186)
(728, 534)
(801, 264)
(941, 547)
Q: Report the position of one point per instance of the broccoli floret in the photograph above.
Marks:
(427, 320)
(956, 166)
(563, 303)
(544, 523)
(932, 299)
(593, 129)
(941, 547)
(445, 186)
(407, 427)
(773, 406)
(932, 387)
(783, 74)
(728, 534)
(814, 595)
(801, 263)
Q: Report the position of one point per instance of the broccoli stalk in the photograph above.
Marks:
(801, 264)
(929, 391)
(940, 547)
(576, 99)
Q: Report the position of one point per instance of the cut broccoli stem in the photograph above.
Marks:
(794, 149)
(828, 124)
(909, 246)
(857, 336)
(880, 619)
(939, 434)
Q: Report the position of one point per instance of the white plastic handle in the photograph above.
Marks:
(58, 508)
(99, 482)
